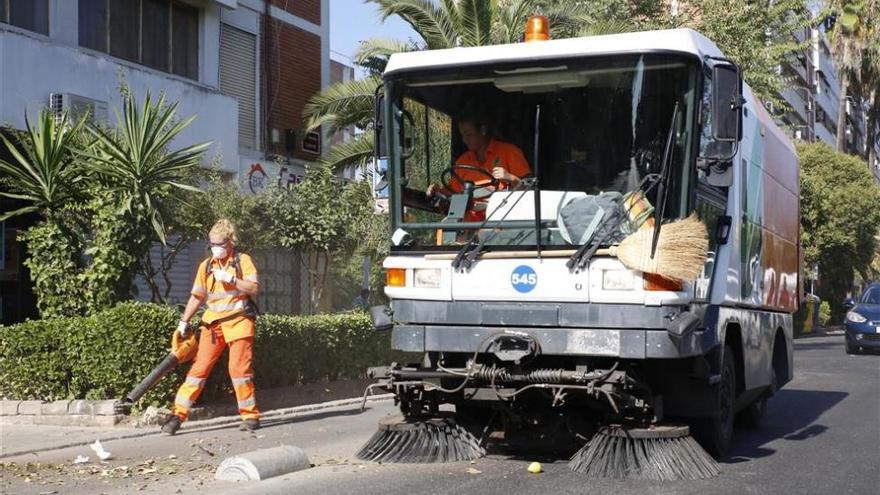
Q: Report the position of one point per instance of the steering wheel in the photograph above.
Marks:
(453, 171)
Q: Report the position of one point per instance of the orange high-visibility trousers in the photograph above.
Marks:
(211, 345)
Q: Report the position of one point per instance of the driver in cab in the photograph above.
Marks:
(489, 163)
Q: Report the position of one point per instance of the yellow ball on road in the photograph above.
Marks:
(535, 468)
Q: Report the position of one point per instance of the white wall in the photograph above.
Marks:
(32, 66)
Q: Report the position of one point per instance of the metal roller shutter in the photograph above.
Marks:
(238, 78)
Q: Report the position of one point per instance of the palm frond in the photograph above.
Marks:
(475, 17)
(370, 50)
(342, 105)
(356, 151)
(432, 23)
(606, 26)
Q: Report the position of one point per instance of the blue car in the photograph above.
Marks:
(863, 321)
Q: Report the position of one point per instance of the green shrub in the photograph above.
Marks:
(105, 355)
(824, 313)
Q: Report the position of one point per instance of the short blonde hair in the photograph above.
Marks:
(225, 228)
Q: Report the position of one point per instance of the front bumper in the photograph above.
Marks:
(862, 335)
(612, 342)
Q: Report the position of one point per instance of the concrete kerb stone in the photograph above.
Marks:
(30, 407)
(196, 425)
(262, 464)
(54, 408)
(9, 407)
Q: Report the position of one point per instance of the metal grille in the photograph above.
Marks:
(238, 78)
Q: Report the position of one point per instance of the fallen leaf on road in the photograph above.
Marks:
(148, 471)
(172, 456)
(473, 471)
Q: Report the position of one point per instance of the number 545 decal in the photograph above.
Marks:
(523, 278)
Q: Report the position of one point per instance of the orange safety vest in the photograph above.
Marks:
(224, 300)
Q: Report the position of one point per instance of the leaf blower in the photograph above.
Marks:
(183, 349)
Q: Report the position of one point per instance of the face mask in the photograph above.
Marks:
(218, 252)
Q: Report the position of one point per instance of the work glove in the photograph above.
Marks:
(223, 276)
(182, 328)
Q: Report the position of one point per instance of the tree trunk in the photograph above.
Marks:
(841, 112)
(873, 115)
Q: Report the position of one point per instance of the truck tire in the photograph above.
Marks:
(715, 433)
(753, 415)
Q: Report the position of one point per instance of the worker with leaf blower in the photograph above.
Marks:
(227, 281)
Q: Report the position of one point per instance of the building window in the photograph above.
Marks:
(162, 34)
(238, 78)
(32, 15)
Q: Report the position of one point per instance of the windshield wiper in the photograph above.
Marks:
(537, 187)
(662, 189)
(471, 249)
(585, 253)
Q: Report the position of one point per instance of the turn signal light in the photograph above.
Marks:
(659, 282)
(395, 277)
(537, 29)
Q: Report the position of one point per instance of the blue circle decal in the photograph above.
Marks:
(523, 278)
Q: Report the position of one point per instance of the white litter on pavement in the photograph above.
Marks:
(81, 459)
(99, 449)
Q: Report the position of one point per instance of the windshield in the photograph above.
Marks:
(872, 296)
(467, 143)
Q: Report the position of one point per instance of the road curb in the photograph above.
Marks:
(291, 412)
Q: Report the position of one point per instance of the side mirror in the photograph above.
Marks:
(849, 303)
(726, 103)
(379, 146)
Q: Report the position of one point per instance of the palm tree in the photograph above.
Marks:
(44, 172)
(849, 39)
(134, 160)
(45, 175)
(137, 174)
(443, 24)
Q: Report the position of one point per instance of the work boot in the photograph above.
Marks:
(249, 425)
(171, 425)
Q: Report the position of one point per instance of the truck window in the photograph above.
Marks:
(602, 130)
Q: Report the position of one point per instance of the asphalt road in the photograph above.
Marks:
(822, 435)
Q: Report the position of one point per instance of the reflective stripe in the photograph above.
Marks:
(250, 278)
(194, 380)
(223, 294)
(226, 307)
(241, 381)
(247, 403)
(183, 401)
(198, 289)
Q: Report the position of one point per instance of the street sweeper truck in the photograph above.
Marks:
(594, 240)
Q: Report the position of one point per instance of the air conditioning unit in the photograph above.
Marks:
(77, 107)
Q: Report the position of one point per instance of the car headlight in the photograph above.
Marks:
(855, 317)
(427, 278)
(617, 280)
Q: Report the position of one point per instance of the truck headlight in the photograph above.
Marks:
(427, 278)
(617, 280)
(855, 317)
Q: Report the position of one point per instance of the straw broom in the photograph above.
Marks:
(681, 250)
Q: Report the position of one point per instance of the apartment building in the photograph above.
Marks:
(244, 68)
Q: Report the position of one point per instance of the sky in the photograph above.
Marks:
(352, 21)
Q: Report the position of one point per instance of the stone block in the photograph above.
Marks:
(104, 407)
(30, 407)
(9, 407)
(55, 408)
(81, 407)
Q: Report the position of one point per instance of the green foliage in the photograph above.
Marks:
(824, 313)
(105, 355)
(44, 171)
(102, 356)
(839, 218)
(54, 263)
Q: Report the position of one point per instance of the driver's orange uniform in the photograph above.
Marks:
(498, 154)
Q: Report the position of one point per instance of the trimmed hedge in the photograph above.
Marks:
(105, 355)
